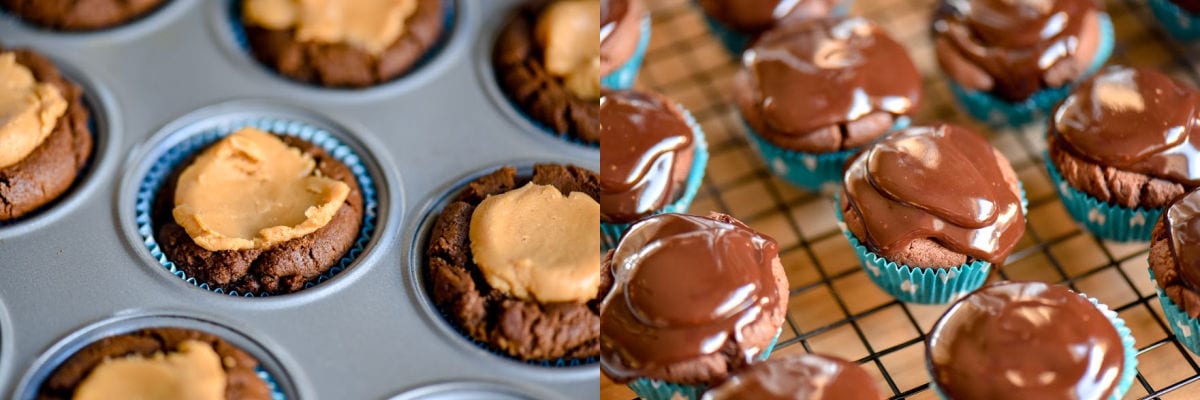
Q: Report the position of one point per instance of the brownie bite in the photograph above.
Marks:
(1175, 253)
(157, 363)
(799, 377)
(548, 62)
(933, 197)
(47, 142)
(295, 214)
(514, 262)
(646, 154)
(693, 300)
(620, 31)
(342, 44)
(80, 15)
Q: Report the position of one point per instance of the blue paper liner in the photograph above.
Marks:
(1185, 328)
(652, 389)
(998, 113)
(1128, 370)
(611, 233)
(172, 158)
(272, 385)
(1180, 23)
(1107, 221)
(735, 42)
(626, 74)
(918, 284)
(815, 172)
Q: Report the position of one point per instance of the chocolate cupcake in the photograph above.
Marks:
(342, 44)
(800, 377)
(158, 363)
(929, 210)
(624, 37)
(548, 63)
(1121, 147)
(736, 22)
(514, 264)
(1175, 267)
(297, 213)
(693, 300)
(80, 15)
(1030, 340)
(808, 109)
(45, 134)
(1010, 62)
(1181, 18)
(652, 156)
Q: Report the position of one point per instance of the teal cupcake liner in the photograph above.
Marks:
(1128, 370)
(917, 284)
(652, 389)
(815, 172)
(999, 114)
(272, 385)
(624, 76)
(1107, 221)
(736, 42)
(162, 168)
(1185, 328)
(610, 234)
(1180, 23)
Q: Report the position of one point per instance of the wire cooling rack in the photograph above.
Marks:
(835, 309)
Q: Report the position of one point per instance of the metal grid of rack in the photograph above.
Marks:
(834, 308)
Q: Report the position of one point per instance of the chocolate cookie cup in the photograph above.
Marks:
(624, 37)
(807, 111)
(736, 22)
(929, 210)
(552, 79)
(1008, 63)
(652, 156)
(1114, 150)
(1181, 18)
(1030, 340)
(317, 218)
(81, 15)
(47, 136)
(799, 377)
(1175, 267)
(513, 264)
(342, 45)
(692, 300)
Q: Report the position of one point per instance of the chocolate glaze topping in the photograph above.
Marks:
(1016, 42)
(1134, 119)
(1182, 221)
(802, 377)
(611, 13)
(942, 183)
(756, 16)
(683, 287)
(646, 149)
(1025, 340)
(1192, 6)
(828, 72)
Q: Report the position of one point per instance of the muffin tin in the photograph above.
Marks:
(79, 269)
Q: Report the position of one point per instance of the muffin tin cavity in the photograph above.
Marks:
(191, 134)
(418, 279)
(466, 391)
(134, 26)
(231, 32)
(270, 369)
(105, 125)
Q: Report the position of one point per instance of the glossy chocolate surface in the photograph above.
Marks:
(644, 140)
(800, 377)
(1134, 119)
(943, 183)
(829, 72)
(1182, 221)
(684, 287)
(1016, 42)
(1025, 340)
(755, 16)
(611, 14)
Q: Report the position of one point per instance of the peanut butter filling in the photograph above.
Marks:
(567, 31)
(253, 191)
(370, 25)
(536, 244)
(29, 110)
(192, 373)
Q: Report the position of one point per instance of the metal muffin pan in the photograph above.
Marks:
(367, 333)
